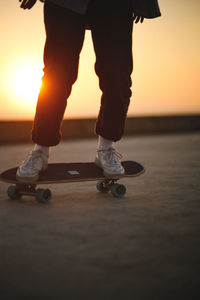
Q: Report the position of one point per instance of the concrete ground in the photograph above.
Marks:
(88, 245)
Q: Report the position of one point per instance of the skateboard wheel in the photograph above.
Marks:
(13, 193)
(118, 190)
(102, 187)
(43, 195)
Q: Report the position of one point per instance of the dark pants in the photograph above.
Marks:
(111, 26)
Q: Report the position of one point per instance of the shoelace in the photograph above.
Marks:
(119, 155)
(113, 155)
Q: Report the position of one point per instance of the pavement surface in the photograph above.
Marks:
(88, 245)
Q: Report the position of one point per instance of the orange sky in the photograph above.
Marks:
(166, 63)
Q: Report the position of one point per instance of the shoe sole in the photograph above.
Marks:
(113, 176)
(27, 179)
(109, 175)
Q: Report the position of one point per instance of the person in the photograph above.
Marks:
(111, 25)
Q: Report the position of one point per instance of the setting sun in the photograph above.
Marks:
(21, 84)
(26, 82)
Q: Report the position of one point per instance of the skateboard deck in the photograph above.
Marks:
(68, 172)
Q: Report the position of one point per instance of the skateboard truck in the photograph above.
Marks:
(17, 191)
(106, 185)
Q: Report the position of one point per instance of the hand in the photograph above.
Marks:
(27, 3)
(137, 19)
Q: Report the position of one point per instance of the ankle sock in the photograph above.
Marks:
(104, 144)
(44, 149)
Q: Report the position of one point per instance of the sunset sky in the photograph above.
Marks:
(166, 77)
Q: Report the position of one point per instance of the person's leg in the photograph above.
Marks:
(64, 39)
(111, 26)
(65, 34)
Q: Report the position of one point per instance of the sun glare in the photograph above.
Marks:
(26, 82)
(20, 85)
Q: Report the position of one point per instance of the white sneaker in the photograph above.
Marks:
(109, 161)
(30, 168)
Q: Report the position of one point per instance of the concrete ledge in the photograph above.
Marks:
(19, 131)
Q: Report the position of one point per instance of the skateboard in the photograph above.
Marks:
(65, 173)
